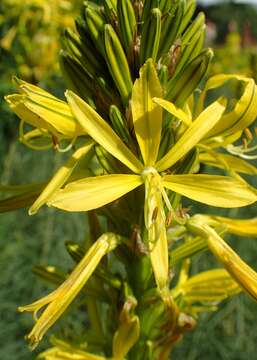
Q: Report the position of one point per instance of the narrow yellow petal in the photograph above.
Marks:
(16, 103)
(41, 109)
(199, 128)
(213, 83)
(242, 227)
(59, 117)
(155, 224)
(159, 257)
(127, 333)
(244, 112)
(101, 132)
(242, 116)
(172, 109)
(215, 190)
(59, 179)
(188, 250)
(147, 116)
(60, 299)
(57, 353)
(92, 193)
(20, 84)
(233, 162)
(208, 286)
(243, 274)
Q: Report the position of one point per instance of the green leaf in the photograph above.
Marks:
(23, 196)
(215, 190)
(92, 193)
(199, 128)
(101, 132)
(147, 116)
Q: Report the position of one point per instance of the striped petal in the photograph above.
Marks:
(215, 190)
(199, 128)
(147, 116)
(101, 132)
(94, 192)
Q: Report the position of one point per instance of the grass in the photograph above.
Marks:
(26, 241)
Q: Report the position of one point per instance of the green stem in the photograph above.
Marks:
(94, 318)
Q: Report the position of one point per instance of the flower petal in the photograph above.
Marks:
(94, 192)
(60, 177)
(40, 108)
(127, 333)
(213, 83)
(242, 273)
(58, 353)
(155, 224)
(60, 299)
(208, 286)
(233, 162)
(199, 128)
(243, 115)
(215, 190)
(172, 109)
(188, 249)
(244, 112)
(147, 116)
(16, 103)
(242, 227)
(101, 132)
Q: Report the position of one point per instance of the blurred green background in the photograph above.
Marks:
(29, 44)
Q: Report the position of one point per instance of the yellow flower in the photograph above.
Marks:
(207, 288)
(156, 175)
(233, 125)
(63, 350)
(241, 227)
(58, 300)
(94, 192)
(51, 117)
(242, 273)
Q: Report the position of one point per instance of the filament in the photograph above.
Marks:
(27, 143)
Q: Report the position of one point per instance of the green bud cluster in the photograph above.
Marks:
(113, 39)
